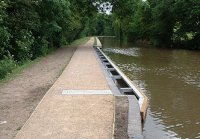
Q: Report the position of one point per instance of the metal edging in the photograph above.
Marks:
(142, 99)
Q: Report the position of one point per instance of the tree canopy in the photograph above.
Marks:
(169, 23)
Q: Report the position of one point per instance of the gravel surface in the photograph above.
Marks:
(71, 116)
(21, 95)
(121, 117)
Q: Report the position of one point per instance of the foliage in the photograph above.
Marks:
(31, 28)
(123, 11)
(6, 66)
(187, 27)
(162, 22)
(40, 47)
(99, 25)
(4, 34)
(54, 20)
(169, 23)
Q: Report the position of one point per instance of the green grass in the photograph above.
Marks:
(79, 41)
(19, 68)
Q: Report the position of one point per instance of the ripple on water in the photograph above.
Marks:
(161, 75)
(197, 123)
(128, 51)
(197, 137)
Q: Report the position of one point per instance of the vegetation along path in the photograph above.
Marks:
(20, 96)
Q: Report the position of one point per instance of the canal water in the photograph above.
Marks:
(170, 79)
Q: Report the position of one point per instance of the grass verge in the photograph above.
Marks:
(79, 41)
(19, 68)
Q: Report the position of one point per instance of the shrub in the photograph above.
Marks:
(4, 41)
(6, 66)
(40, 47)
(23, 45)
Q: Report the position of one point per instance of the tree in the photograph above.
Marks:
(4, 34)
(187, 27)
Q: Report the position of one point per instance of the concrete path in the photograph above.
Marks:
(74, 116)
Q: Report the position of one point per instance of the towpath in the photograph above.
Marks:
(78, 105)
(21, 94)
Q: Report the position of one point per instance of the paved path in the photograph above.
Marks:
(68, 116)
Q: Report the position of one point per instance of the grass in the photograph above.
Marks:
(27, 64)
(79, 41)
(18, 70)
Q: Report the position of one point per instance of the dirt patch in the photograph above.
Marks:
(121, 117)
(20, 96)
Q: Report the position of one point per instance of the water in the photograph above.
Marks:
(170, 79)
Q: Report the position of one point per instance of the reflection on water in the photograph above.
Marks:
(170, 79)
(128, 52)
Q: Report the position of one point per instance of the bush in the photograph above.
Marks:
(40, 47)
(6, 66)
(4, 41)
(24, 42)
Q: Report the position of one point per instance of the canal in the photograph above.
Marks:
(170, 79)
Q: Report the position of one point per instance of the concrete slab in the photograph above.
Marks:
(121, 117)
(134, 119)
(86, 92)
(61, 116)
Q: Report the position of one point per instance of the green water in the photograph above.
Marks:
(170, 79)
